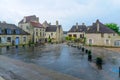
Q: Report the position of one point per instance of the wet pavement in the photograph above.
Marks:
(68, 60)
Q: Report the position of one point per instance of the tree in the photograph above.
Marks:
(113, 26)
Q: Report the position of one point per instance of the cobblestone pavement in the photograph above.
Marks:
(69, 60)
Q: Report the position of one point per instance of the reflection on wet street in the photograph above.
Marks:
(64, 59)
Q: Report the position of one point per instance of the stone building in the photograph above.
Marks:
(99, 34)
(31, 25)
(10, 34)
(77, 31)
(53, 32)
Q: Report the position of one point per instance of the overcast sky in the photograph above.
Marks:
(67, 12)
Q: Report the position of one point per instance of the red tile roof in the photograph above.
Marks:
(36, 24)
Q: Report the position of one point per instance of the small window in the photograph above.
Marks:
(81, 35)
(70, 35)
(27, 27)
(24, 39)
(113, 34)
(0, 31)
(8, 39)
(40, 33)
(107, 42)
(0, 40)
(90, 41)
(9, 31)
(74, 35)
(17, 31)
(102, 35)
(36, 33)
(51, 34)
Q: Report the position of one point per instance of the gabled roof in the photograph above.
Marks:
(79, 28)
(101, 26)
(51, 28)
(28, 19)
(36, 24)
(12, 27)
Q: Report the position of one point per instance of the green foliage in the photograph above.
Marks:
(113, 26)
(89, 52)
(70, 38)
(49, 39)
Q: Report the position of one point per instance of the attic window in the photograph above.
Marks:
(9, 31)
(0, 31)
(0, 40)
(17, 31)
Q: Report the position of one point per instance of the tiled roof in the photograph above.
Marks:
(12, 27)
(52, 28)
(79, 28)
(65, 32)
(36, 24)
(102, 28)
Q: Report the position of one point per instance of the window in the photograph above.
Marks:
(36, 33)
(27, 27)
(102, 35)
(81, 35)
(0, 31)
(0, 40)
(51, 34)
(117, 43)
(90, 41)
(40, 33)
(9, 31)
(24, 39)
(107, 42)
(8, 39)
(17, 31)
(70, 35)
(74, 35)
(113, 34)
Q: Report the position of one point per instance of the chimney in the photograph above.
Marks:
(77, 25)
(57, 23)
(98, 25)
(83, 24)
(4, 22)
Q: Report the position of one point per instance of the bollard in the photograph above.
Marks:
(7, 47)
(23, 45)
(16, 46)
(86, 51)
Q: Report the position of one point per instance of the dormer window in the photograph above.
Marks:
(9, 31)
(17, 31)
(0, 31)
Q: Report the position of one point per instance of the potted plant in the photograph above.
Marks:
(89, 56)
(99, 62)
